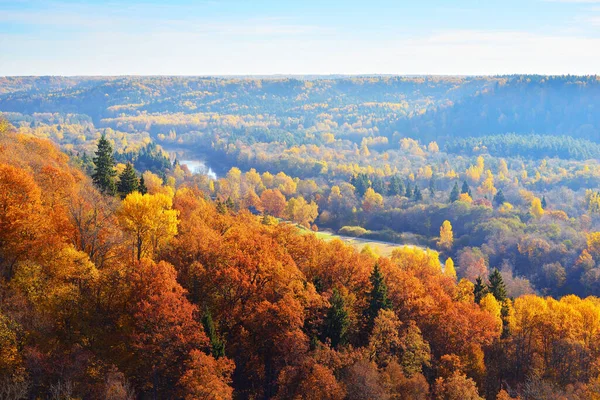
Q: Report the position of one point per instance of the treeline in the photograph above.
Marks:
(528, 146)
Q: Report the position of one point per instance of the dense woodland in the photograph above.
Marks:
(124, 275)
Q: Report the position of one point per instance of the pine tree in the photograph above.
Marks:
(417, 194)
(454, 193)
(337, 321)
(544, 204)
(143, 189)
(499, 198)
(496, 286)
(432, 187)
(466, 189)
(361, 183)
(479, 290)
(104, 172)
(216, 344)
(128, 181)
(378, 298)
(409, 191)
(395, 186)
(378, 185)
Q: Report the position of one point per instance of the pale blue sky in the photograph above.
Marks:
(231, 37)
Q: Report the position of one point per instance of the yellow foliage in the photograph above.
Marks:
(149, 220)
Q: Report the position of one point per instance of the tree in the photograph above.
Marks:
(216, 344)
(409, 191)
(432, 186)
(446, 236)
(417, 194)
(337, 320)
(466, 189)
(372, 200)
(536, 208)
(449, 269)
(104, 171)
(143, 189)
(396, 187)
(378, 297)
(544, 203)
(361, 183)
(499, 198)
(455, 193)
(149, 220)
(479, 290)
(207, 378)
(496, 285)
(274, 203)
(301, 212)
(128, 181)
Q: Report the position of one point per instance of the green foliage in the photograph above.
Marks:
(480, 289)
(378, 298)
(128, 181)
(499, 198)
(497, 286)
(454, 194)
(104, 172)
(216, 344)
(337, 320)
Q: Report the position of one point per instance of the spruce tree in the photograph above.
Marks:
(143, 189)
(496, 286)
(432, 187)
(216, 344)
(128, 181)
(104, 171)
(409, 191)
(337, 321)
(417, 194)
(479, 290)
(454, 193)
(394, 188)
(499, 198)
(466, 189)
(378, 298)
(544, 204)
(378, 185)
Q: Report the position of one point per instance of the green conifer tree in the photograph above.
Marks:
(143, 189)
(128, 181)
(104, 171)
(409, 191)
(417, 194)
(454, 193)
(479, 290)
(499, 198)
(378, 298)
(216, 344)
(496, 286)
(337, 321)
(466, 189)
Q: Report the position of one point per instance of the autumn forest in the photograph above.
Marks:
(308, 237)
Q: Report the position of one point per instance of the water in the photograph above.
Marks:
(199, 167)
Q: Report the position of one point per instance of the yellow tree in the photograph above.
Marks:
(149, 220)
(446, 236)
(372, 200)
(536, 208)
(449, 269)
(301, 212)
(487, 186)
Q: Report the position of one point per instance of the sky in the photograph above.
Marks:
(304, 37)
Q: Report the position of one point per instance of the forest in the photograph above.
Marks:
(125, 275)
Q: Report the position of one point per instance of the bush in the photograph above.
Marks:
(354, 231)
